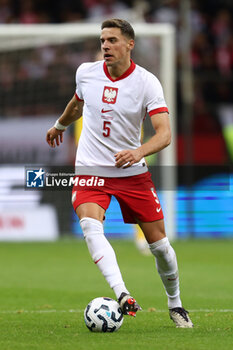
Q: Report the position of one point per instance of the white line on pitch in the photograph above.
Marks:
(22, 311)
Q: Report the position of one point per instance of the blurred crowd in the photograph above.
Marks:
(211, 49)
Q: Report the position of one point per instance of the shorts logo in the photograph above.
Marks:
(109, 94)
(35, 178)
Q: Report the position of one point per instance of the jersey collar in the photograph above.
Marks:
(124, 75)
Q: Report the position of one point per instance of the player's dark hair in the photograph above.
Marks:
(124, 26)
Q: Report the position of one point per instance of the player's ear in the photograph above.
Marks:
(130, 44)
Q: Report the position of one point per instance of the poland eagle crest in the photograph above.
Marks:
(110, 94)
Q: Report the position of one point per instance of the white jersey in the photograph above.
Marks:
(112, 116)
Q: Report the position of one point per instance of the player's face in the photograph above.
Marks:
(116, 48)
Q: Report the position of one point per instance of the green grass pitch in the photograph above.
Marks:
(44, 288)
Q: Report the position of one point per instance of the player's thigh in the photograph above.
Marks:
(153, 231)
(91, 210)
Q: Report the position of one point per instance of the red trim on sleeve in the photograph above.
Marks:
(79, 99)
(158, 110)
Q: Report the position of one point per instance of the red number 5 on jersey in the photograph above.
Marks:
(106, 128)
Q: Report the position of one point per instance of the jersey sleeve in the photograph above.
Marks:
(154, 97)
(79, 82)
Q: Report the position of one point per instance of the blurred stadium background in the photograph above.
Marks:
(37, 81)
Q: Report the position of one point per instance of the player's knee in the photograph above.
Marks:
(160, 247)
(91, 226)
(164, 254)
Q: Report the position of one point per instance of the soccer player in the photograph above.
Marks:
(114, 95)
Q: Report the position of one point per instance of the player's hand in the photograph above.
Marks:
(54, 137)
(128, 157)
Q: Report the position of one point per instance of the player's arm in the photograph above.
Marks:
(156, 143)
(72, 112)
(162, 137)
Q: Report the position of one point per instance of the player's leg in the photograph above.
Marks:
(166, 261)
(167, 267)
(144, 205)
(141, 204)
(91, 217)
(90, 207)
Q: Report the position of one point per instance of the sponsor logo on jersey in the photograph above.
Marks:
(109, 94)
(106, 110)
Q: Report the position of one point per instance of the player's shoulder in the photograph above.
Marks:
(87, 68)
(147, 77)
(145, 74)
